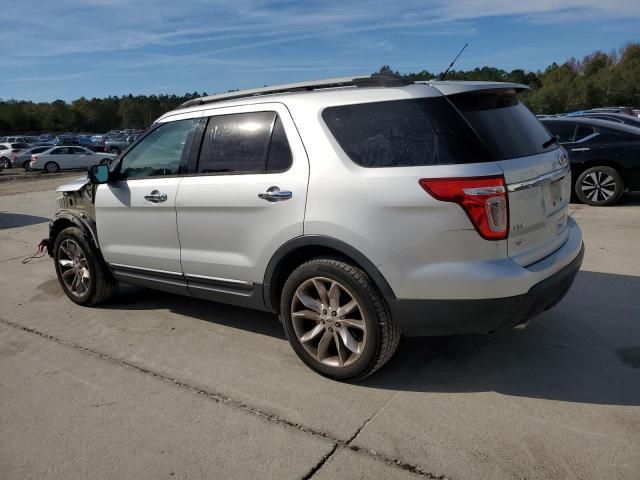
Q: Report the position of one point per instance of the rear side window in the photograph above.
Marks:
(505, 125)
(279, 156)
(244, 143)
(403, 133)
(584, 133)
(564, 130)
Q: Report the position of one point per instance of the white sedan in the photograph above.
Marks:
(68, 158)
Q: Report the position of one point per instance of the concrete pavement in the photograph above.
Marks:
(219, 392)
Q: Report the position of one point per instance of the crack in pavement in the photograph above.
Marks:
(223, 399)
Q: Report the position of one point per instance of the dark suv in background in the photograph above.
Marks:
(604, 156)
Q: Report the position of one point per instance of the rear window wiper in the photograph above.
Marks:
(551, 141)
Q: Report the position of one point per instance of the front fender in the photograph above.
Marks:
(68, 218)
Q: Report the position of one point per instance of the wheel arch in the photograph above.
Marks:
(64, 219)
(598, 162)
(301, 249)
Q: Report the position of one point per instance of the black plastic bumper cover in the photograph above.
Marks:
(459, 317)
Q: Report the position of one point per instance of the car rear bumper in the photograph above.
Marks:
(458, 317)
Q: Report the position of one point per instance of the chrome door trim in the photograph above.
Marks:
(118, 266)
(541, 180)
(218, 280)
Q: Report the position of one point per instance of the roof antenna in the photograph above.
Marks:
(444, 74)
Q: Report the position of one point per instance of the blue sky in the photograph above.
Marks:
(68, 48)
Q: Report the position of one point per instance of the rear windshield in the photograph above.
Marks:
(403, 133)
(505, 125)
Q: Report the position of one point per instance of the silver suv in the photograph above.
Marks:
(357, 209)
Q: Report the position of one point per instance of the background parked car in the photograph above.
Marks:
(23, 158)
(16, 140)
(8, 150)
(604, 156)
(65, 139)
(68, 158)
(613, 117)
(115, 145)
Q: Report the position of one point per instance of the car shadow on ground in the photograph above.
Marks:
(15, 220)
(586, 349)
(629, 199)
(136, 298)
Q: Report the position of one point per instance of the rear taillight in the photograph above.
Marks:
(34, 158)
(484, 199)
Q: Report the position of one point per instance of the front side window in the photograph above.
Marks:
(159, 153)
(610, 135)
(236, 143)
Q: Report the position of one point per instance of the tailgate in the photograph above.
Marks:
(539, 190)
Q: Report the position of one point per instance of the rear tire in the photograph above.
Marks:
(25, 165)
(51, 167)
(82, 273)
(599, 186)
(336, 321)
(105, 161)
(5, 163)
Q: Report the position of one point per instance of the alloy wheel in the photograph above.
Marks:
(598, 186)
(74, 269)
(329, 322)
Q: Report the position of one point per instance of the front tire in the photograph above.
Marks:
(336, 321)
(81, 271)
(51, 167)
(5, 163)
(105, 161)
(599, 186)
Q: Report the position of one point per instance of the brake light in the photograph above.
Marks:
(34, 158)
(484, 200)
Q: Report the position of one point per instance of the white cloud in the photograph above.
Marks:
(36, 28)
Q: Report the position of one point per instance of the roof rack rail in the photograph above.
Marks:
(374, 80)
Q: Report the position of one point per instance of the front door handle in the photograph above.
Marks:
(156, 197)
(274, 194)
(582, 149)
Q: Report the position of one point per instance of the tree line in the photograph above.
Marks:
(597, 80)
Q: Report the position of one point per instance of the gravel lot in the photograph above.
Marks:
(158, 386)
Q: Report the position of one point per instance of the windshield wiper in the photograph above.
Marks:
(551, 141)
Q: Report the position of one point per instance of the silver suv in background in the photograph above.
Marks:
(357, 209)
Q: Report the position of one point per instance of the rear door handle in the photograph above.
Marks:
(582, 149)
(156, 197)
(274, 194)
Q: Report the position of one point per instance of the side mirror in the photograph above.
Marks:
(99, 174)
